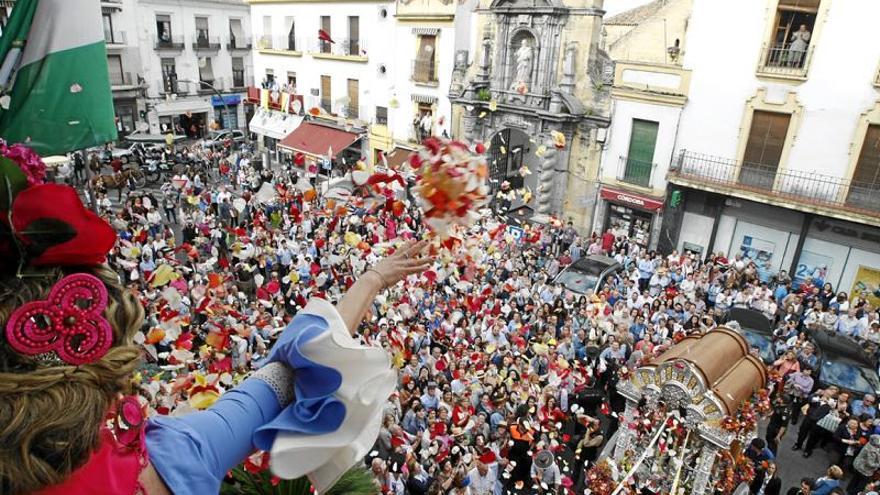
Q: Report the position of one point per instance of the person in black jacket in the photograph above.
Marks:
(766, 481)
(419, 481)
(805, 487)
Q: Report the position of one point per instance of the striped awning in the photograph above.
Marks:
(424, 99)
(425, 31)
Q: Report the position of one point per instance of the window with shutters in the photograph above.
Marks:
(325, 26)
(169, 75)
(639, 161)
(114, 65)
(764, 149)
(864, 189)
(237, 72)
(266, 38)
(425, 64)
(237, 39)
(206, 71)
(354, 36)
(202, 31)
(353, 100)
(787, 52)
(326, 96)
(382, 115)
(291, 81)
(290, 24)
(163, 28)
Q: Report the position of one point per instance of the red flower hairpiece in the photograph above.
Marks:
(69, 323)
(45, 224)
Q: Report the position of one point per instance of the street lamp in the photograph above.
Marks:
(212, 88)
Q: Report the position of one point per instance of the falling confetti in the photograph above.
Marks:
(452, 184)
(482, 114)
(558, 139)
(493, 105)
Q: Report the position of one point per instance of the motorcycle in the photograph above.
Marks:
(156, 169)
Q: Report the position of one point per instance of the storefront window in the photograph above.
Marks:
(628, 222)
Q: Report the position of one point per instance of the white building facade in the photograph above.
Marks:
(385, 75)
(777, 155)
(648, 95)
(196, 63)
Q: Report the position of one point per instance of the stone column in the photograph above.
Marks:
(703, 470)
(546, 178)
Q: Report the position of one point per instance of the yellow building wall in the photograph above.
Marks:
(648, 41)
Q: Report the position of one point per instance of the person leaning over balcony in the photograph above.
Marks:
(799, 41)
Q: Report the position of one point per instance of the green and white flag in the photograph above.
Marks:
(53, 78)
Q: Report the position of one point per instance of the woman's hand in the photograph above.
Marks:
(405, 261)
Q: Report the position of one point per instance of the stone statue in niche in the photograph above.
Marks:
(525, 55)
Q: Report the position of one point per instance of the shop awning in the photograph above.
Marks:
(317, 140)
(397, 157)
(632, 200)
(276, 125)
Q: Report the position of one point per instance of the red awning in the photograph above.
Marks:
(633, 200)
(397, 157)
(318, 140)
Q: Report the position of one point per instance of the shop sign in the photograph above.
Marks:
(227, 99)
(631, 200)
(865, 234)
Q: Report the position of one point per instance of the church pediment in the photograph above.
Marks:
(521, 4)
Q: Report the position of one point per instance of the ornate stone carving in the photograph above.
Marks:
(546, 178)
(626, 435)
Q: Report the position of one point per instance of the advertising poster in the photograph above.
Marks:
(868, 281)
(761, 252)
(811, 265)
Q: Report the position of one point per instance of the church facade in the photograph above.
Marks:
(535, 89)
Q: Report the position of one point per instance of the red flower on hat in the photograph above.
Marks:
(53, 227)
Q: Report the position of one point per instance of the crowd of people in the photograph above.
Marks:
(506, 380)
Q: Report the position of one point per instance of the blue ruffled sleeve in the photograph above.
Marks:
(192, 453)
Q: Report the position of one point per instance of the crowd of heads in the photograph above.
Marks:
(507, 379)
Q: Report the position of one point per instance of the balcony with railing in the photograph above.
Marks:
(354, 49)
(238, 43)
(167, 86)
(168, 43)
(781, 61)
(282, 45)
(635, 172)
(809, 189)
(424, 72)
(115, 38)
(276, 99)
(205, 43)
(121, 79)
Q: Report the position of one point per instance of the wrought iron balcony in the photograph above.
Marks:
(167, 86)
(806, 188)
(204, 43)
(780, 60)
(239, 43)
(169, 43)
(424, 72)
(635, 172)
(355, 47)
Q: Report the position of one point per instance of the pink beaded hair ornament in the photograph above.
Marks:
(69, 325)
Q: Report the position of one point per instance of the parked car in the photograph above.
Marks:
(588, 274)
(844, 364)
(756, 329)
(217, 138)
(143, 137)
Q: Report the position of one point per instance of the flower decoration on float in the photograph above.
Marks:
(451, 183)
